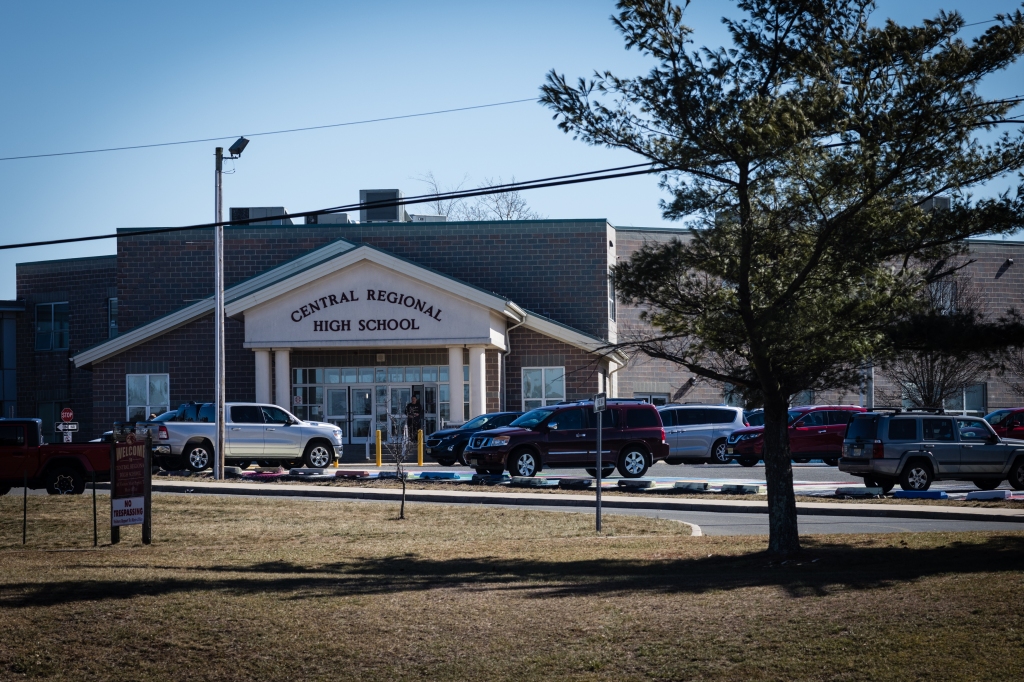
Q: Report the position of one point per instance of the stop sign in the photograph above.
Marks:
(66, 414)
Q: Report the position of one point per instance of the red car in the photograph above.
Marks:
(815, 432)
(1008, 422)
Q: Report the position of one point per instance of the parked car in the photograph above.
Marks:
(565, 435)
(253, 432)
(447, 445)
(815, 432)
(1007, 423)
(60, 468)
(915, 448)
(754, 417)
(698, 433)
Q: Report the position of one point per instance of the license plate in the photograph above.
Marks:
(856, 452)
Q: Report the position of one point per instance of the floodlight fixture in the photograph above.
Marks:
(238, 147)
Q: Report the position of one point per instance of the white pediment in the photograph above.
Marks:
(363, 303)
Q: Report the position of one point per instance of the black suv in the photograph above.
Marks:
(565, 435)
(446, 445)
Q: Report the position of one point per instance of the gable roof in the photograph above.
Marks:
(316, 264)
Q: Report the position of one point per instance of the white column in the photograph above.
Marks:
(282, 378)
(477, 381)
(262, 376)
(455, 383)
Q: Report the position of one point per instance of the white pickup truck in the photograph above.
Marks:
(254, 432)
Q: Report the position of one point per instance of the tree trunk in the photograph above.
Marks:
(783, 534)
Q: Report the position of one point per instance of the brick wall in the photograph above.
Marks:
(555, 268)
(49, 376)
(530, 349)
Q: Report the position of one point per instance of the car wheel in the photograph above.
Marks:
(445, 461)
(1016, 479)
(65, 481)
(633, 463)
(522, 463)
(831, 461)
(748, 461)
(990, 484)
(605, 473)
(917, 475)
(720, 453)
(885, 485)
(317, 455)
(802, 460)
(198, 456)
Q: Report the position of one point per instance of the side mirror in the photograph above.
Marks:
(553, 426)
(992, 439)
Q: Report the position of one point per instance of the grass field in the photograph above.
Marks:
(301, 590)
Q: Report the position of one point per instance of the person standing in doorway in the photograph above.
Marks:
(414, 416)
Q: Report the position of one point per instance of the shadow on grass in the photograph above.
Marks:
(822, 568)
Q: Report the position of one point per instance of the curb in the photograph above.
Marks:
(588, 501)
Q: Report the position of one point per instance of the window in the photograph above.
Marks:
(972, 400)
(690, 416)
(653, 398)
(247, 414)
(813, 419)
(903, 429)
(543, 386)
(111, 318)
(52, 326)
(640, 419)
(938, 429)
(973, 430)
(147, 394)
(12, 436)
(275, 415)
(567, 420)
(721, 416)
(842, 417)
(611, 298)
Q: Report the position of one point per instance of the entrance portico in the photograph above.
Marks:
(368, 300)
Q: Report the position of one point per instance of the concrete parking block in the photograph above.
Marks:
(577, 483)
(858, 491)
(348, 473)
(691, 486)
(533, 482)
(306, 472)
(740, 489)
(491, 479)
(439, 476)
(921, 494)
(989, 495)
(636, 483)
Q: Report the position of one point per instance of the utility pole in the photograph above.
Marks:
(218, 305)
(218, 322)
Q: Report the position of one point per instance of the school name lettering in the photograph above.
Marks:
(379, 295)
(365, 325)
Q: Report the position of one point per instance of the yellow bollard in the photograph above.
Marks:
(379, 457)
(419, 448)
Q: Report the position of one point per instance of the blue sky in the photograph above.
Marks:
(86, 75)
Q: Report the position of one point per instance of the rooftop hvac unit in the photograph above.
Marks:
(240, 215)
(381, 213)
(327, 219)
(936, 204)
(427, 218)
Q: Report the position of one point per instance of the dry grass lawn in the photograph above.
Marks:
(301, 590)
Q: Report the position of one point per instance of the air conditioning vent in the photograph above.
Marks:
(381, 213)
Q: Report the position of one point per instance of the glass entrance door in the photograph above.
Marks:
(400, 397)
(362, 415)
(337, 408)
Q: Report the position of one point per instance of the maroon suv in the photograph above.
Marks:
(565, 435)
(815, 432)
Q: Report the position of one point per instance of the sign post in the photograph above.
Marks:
(67, 427)
(130, 487)
(600, 405)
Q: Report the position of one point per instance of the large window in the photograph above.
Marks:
(52, 326)
(543, 386)
(148, 394)
(972, 400)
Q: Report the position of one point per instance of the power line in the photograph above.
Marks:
(271, 132)
(555, 181)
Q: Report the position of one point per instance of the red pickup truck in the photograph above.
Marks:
(62, 468)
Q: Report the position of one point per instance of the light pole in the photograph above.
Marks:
(218, 306)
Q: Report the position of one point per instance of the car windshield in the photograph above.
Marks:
(863, 428)
(533, 417)
(793, 416)
(478, 422)
(998, 417)
(755, 418)
(167, 416)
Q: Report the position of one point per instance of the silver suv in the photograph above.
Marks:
(916, 448)
(698, 433)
